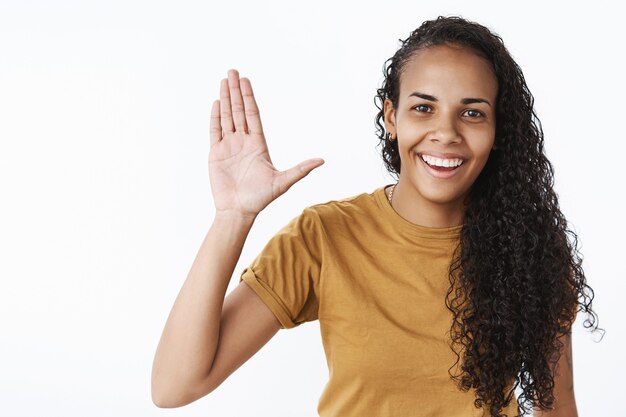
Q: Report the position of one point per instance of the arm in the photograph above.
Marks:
(206, 337)
(565, 401)
(189, 340)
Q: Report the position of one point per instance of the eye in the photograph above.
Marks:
(422, 108)
(474, 114)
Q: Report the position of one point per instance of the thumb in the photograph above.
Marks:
(295, 174)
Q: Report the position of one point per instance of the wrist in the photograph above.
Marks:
(234, 217)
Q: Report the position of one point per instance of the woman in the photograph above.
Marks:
(438, 295)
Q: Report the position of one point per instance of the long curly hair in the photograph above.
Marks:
(516, 280)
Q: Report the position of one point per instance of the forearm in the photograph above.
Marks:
(561, 412)
(565, 406)
(189, 340)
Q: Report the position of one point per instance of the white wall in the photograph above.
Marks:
(104, 143)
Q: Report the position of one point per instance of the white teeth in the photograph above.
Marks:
(431, 160)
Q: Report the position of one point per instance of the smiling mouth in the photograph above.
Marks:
(441, 165)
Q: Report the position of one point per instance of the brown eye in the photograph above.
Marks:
(473, 113)
(422, 108)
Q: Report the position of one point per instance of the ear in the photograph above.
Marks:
(390, 118)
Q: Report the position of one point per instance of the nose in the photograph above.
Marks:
(445, 131)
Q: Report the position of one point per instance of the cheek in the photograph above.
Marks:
(484, 151)
(405, 149)
(481, 144)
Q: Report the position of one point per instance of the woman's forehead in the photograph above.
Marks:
(448, 69)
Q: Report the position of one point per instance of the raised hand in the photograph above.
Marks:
(243, 178)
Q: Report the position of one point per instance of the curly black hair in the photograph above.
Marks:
(516, 277)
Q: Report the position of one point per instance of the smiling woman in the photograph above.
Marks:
(438, 295)
(442, 118)
(453, 92)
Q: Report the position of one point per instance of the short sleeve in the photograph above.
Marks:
(286, 274)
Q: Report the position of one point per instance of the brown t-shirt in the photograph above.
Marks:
(377, 283)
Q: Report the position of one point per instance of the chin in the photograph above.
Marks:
(443, 199)
(442, 196)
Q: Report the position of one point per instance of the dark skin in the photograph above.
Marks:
(446, 110)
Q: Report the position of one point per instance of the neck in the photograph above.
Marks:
(416, 209)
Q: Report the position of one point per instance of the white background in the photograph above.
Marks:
(104, 115)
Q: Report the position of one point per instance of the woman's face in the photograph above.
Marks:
(445, 115)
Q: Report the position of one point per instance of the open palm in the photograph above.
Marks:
(243, 178)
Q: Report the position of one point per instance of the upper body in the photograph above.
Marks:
(457, 127)
(377, 284)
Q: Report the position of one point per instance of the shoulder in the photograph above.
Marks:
(357, 205)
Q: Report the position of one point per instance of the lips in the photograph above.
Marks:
(443, 155)
(442, 162)
(440, 172)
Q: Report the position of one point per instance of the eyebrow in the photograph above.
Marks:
(467, 100)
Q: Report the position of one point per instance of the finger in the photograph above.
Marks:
(225, 115)
(253, 118)
(295, 174)
(236, 101)
(215, 130)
